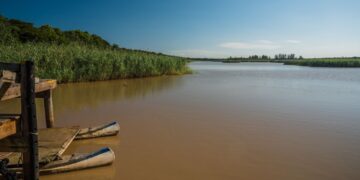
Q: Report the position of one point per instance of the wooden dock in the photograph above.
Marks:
(18, 132)
(29, 151)
(43, 89)
(52, 144)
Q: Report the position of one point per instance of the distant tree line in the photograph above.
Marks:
(265, 57)
(252, 57)
(287, 57)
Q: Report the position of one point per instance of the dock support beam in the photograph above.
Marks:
(49, 111)
(28, 118)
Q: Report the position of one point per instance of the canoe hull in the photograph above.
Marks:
(110, 129)
(69, 163)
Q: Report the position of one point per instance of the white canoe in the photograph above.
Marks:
(110, 129)
(75, 162)
(67, 163)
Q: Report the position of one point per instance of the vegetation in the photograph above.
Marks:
(263, 58)
(72, 56)
(74, 62)
(286, 57)
(292, 59)
(206, 59)
(327, 62)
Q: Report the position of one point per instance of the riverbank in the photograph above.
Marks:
(258, 60)
(321, 62)
(327, 62)
(78, 63)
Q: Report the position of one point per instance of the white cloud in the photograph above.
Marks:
(291, 41)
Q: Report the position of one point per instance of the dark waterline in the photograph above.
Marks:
(226, 121)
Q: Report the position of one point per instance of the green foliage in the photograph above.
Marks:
(25, 32)
(285, 57)
(253, 58)
(5, 34)
(74, 62)
(263, 58)
(327, 62)
(72, 56)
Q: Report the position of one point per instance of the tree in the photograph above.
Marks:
(254, 57)
(48, 34)
(115, 46)
(291, 56)
(5, 34)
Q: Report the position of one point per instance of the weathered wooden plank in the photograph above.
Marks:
(41, 86)
(7, 128)
(4, 86)
(55, 140)
(52, 144)
(6, 79)
(13, 144)
(9, 116)
(7, 76)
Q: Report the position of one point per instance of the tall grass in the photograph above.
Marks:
(75, 63)
(327, 62)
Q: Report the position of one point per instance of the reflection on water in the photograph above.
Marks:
(80, 95)
(77, 96)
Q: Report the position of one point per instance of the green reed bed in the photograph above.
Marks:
(75, 63)
(331, 62)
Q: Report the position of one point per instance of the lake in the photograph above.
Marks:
(225, 121)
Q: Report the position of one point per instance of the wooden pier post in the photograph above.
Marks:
(28, 118)
(49, 111)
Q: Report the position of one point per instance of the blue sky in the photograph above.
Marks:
(207, 28)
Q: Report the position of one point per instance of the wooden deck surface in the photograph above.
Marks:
(43, 85)
(52, 143)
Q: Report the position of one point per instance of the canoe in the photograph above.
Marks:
(110, 129)
(67, 163)
(102, 157)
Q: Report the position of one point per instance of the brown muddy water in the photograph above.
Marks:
(225, 122)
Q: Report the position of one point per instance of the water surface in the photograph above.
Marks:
(226, 121)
